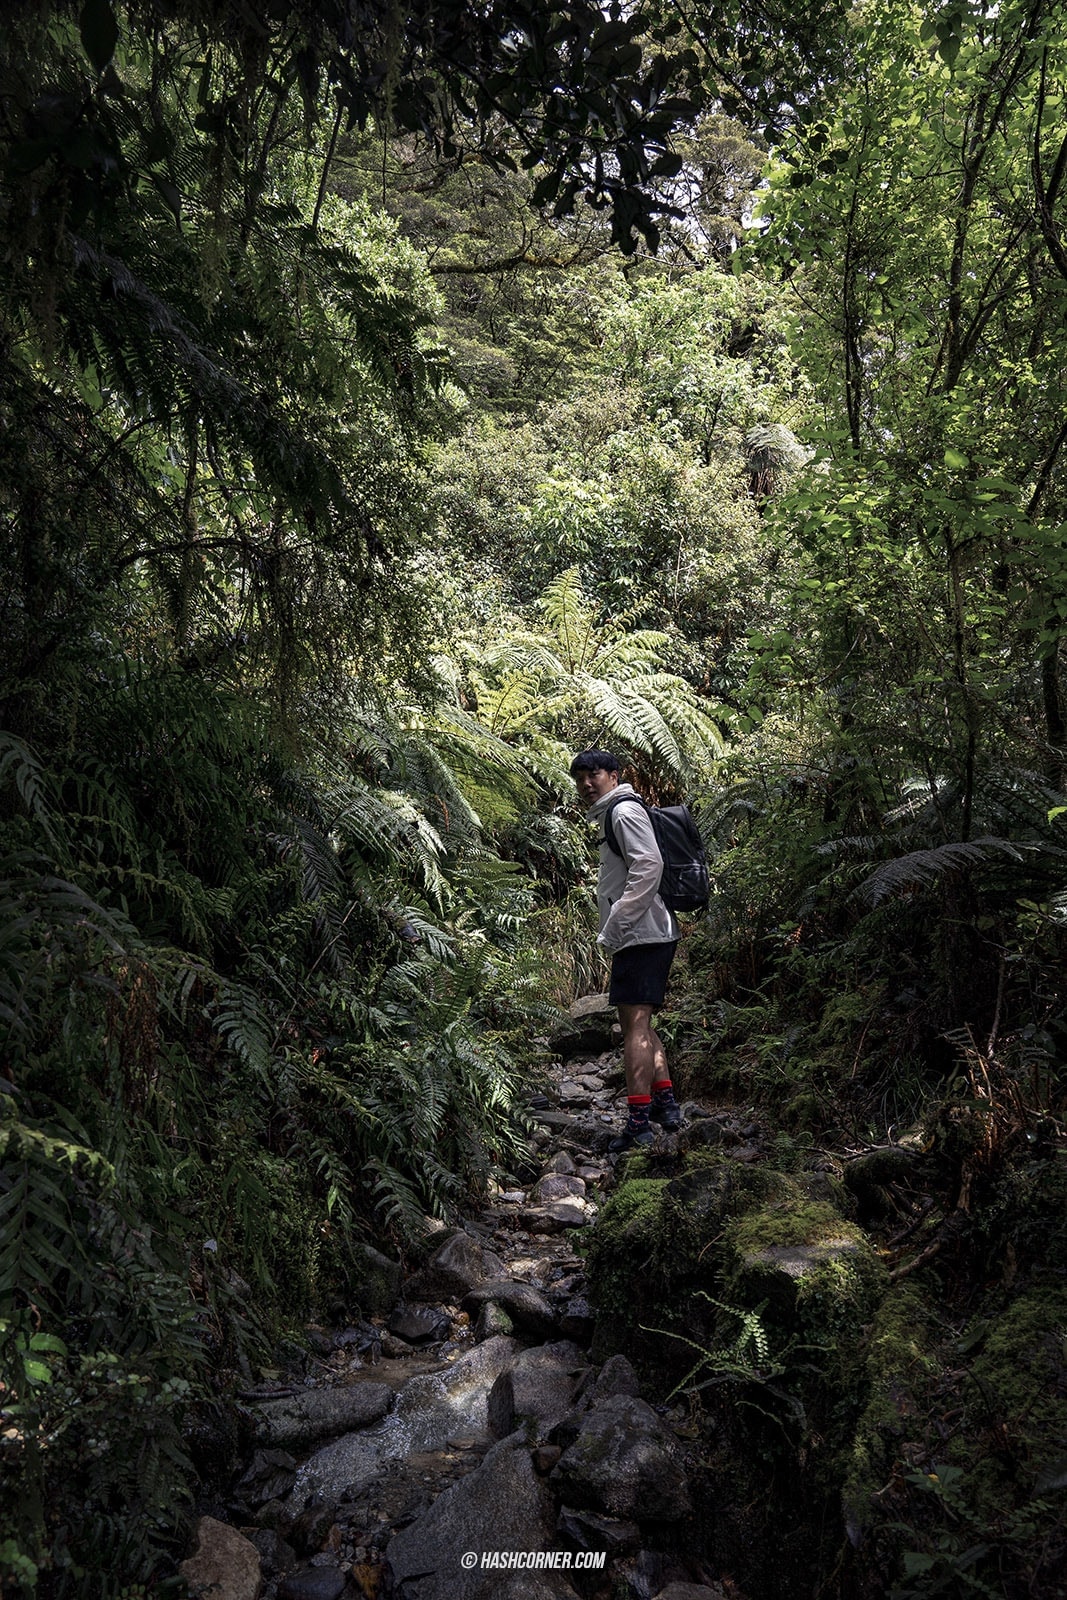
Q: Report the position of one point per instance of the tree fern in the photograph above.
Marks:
(920, 868)
(580, 674)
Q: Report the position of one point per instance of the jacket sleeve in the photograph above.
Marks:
(633, 831)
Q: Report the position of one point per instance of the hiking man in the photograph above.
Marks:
(641, 934)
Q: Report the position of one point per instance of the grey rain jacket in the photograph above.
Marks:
(631, 911)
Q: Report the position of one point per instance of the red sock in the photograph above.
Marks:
(661, 1084)
(637, 1105)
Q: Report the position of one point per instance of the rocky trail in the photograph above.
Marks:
(462, 1425)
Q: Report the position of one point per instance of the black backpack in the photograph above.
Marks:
(684, 885)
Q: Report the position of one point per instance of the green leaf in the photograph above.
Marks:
(99, 32)
(956, 459)
(48, 1341)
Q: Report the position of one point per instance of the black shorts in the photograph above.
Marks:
(639, 975)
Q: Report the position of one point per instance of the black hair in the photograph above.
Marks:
(594, 761)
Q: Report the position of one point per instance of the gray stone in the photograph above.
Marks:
(691, 1591)
(502, 1505)
(493, 1322)
(624, 1462)
(420, 1325)
(311, 1528)
(268, 1476)
(459, 1264)
(313, 1414)
(375, 1280)
(274, 1514)
(277, 1555)
(559, 1120)
(777, 1272)
(706, 1134)
(429, 1410)
(560, 1162)
(534, 1586)
(588, 1028)
(536, 1390)
(616, 1376)
(556, 1186)
(573, 1094)
(529, 1310)
(314, 1583)
(585, 1530)
(224, 1566)
(577, 1321)
(555, 1217)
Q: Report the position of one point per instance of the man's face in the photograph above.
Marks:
(592, 783)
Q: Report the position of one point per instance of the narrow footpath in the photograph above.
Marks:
(463, 1443)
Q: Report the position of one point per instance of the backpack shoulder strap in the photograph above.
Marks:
(609, 827)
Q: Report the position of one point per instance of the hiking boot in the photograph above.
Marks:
(632, 1137)
(668, 1116)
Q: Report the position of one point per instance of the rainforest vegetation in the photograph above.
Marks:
(393, 401)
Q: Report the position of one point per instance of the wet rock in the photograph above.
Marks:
(313, 1414)
(560, 1162)
(429, 1410)
(418, 1325)
(536, 1389)
(585, 1530)
(268, 1476)
(616, 1376)
(224, 1566)
(527, 1307)
(375, 1280)
(501, 1506)
(457, 1265)
(315, 1583)
(555, 1217)
(624, 1462)
(545, 1457)
(557, 1186)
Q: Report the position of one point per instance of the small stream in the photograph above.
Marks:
(430, 1409)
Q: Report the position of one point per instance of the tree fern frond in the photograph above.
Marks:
(919, 868)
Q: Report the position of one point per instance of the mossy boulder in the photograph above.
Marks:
(816, 1274)
(664, 1251)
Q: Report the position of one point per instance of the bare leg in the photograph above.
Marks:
(643, 1054)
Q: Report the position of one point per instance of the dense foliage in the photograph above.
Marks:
(351, 475)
